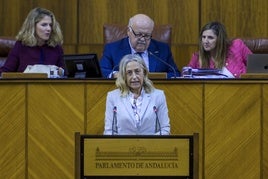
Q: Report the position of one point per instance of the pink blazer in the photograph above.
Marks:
(236, 59)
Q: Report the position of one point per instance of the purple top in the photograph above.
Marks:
(20, 56)
(236, 59)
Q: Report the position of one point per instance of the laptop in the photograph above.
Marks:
(257, 63)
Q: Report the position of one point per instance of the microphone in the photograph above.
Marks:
(163, 61)
(114, 124)
(112, 72)
(157, 122)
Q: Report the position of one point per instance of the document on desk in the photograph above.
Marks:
(208, 73)
(40, 69)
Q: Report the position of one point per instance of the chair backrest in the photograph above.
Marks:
(6, 44)
(257, 45)
(114, 32)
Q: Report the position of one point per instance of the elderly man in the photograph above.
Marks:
(156, 55)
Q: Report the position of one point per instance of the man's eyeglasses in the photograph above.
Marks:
(140, 35)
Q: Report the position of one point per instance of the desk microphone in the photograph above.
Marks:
(112, 72)
(114, 124)
(157, 123)
(163, 61)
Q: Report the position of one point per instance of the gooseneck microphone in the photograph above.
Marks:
(114, 124)
(157, 122)
(163, 61)
(110, 75)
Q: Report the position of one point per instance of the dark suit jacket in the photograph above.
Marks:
(114, 52)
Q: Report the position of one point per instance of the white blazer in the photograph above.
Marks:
(126, 119)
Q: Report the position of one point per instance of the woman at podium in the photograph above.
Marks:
(135, 107)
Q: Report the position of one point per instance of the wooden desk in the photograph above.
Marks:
(39, 118)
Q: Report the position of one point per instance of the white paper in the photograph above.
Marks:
(40, 69)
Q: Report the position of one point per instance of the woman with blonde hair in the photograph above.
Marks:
(39, 41)
(136, 107)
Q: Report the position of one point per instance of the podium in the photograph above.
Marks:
(130, 156)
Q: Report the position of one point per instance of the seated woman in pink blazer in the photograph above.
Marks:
(216, 51)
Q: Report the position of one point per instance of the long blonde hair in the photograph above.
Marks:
(27, 32)
(121, 81)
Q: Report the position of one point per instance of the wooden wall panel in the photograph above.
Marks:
(55, 114)
(242, 18)
(39, 118)
(185, 108)
(14, 12)
(96, 106)
(232, 131)
(70, 49)
(12, 15)
(265, 131)
(12, 127)
(92, 48)
(182, 54)
(182, 15)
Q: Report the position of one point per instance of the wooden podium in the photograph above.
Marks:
(100, 156)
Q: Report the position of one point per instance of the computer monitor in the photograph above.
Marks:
(82, 66)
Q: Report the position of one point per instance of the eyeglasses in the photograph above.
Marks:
(140, 35)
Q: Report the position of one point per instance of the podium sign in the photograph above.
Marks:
(136, 156)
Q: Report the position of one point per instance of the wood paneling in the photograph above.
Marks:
(96, 97)
(182, 54)
(54, 115)
(185, 113)
(229, 116)
(265, 132)
(174, 12)
(39, 118)
(12, 15)
(242, 18)
(232, 131)
(12, 127)
(14, 12)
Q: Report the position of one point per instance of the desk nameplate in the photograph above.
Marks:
(20, 75)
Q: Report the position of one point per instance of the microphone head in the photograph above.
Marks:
(155, 109)
(115, 109)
